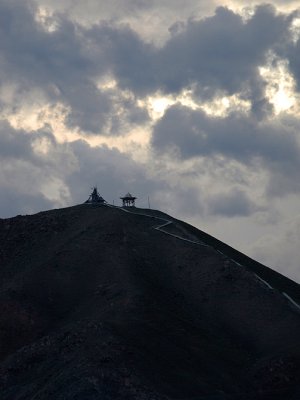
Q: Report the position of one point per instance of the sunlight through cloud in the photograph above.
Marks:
(280, 85)
(44, 17)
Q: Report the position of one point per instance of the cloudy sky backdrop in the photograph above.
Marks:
(193, 103)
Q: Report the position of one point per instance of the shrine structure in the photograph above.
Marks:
(128, 200)
(95, 197)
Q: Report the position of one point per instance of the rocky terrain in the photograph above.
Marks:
(101, 303)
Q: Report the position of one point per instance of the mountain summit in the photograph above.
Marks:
(101, 302)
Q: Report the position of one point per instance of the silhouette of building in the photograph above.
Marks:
(128, 200)
(95, 197)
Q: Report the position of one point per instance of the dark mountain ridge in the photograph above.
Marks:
(99, 302)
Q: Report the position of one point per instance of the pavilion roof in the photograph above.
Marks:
(128, 196)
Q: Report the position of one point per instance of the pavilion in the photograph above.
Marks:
(128, 200)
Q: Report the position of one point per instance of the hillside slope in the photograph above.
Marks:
(98, 302)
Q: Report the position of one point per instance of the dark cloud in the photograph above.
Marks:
(14, 201)
(186, 200)
(98, 10)
(21, 172)
(115, 174)
(219, 54)
(13, 144)
(65, 64)
(290, 50)
(281, 250)
(283, 181)
(236, 203)
(194, 133)
(90, 110)
(188, 134)
(213, 55)
(128, 57)
(25, 146)
(54, 62)
(29, 171)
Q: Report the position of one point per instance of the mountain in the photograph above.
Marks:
(99, 302)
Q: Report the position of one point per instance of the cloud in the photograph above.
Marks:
(114, 172)
(65, 65)
(150, 18)
(100, 10)
(193, 133)
(281, 250)
(53, 62)
(240, 157)
(235, 203)
(177, 199)
(130, 59)
(32, 165)
(290, 50)
(13, 144)
(16, 202)
(46, 174)
(217, 54)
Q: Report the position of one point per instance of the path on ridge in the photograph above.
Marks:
(167, 222)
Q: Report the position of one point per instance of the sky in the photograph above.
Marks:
(195, 104)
